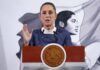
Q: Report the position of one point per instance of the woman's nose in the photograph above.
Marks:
(77, 26)
(47, 14)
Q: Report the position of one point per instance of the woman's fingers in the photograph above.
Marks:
(26, 34)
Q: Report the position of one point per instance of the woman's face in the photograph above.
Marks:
(47, 15)
(73, 25)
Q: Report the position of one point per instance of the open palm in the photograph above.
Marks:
(26, 34)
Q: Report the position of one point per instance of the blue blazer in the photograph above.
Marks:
(61, 36)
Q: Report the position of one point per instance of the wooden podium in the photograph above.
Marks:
(31, 55)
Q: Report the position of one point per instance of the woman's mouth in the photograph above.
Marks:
(76, 30)
(47, 20)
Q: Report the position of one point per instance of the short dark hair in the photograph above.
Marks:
(63, 16)
(48, 3)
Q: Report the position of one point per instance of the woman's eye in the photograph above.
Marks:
(47, 12)
(44, 12)
(50, 12)
(73, 20)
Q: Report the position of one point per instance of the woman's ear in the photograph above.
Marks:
(55, 16)
(61, 24)
(39, 15)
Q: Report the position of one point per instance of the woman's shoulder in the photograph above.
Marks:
(37, 31)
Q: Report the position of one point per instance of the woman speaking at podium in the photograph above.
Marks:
(48, 33)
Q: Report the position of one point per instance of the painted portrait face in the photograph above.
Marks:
(47, 15)
(72, 25)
